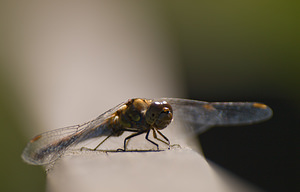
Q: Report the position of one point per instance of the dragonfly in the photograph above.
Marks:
(140, 116)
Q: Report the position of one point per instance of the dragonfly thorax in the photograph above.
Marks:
(132, 114)
(141, 115)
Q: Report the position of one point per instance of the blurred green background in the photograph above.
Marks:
(245, 51)
(228, 51)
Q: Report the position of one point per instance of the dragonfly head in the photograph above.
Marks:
(159, 114)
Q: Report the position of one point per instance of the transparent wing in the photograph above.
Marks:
(203, 115)
(47, 147)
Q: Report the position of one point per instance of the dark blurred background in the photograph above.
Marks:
(246, 51)
(227, 51)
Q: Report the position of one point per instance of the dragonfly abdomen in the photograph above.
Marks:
(35, 154)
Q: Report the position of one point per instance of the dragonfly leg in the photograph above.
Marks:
(167, 142)
(97, 145)
(152, 141)
(129, 137)
(101, 143)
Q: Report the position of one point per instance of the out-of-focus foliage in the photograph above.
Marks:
(15, 174)
(227, 46)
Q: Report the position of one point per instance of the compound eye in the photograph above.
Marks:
(159, 114)
(164, 118)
